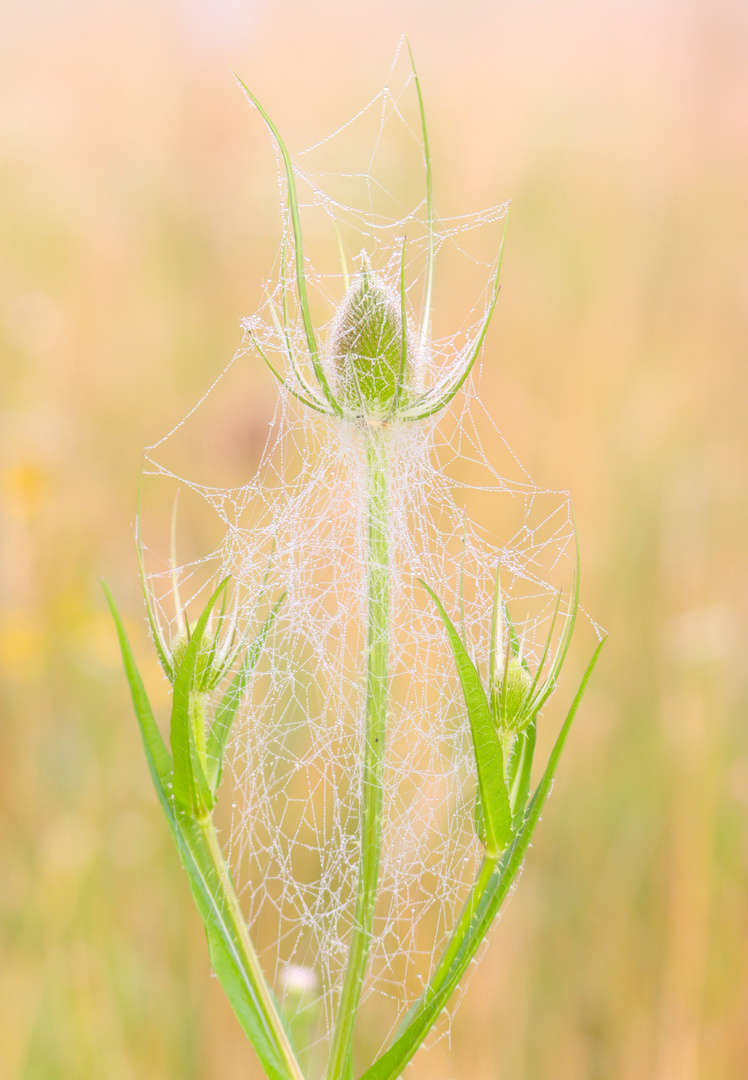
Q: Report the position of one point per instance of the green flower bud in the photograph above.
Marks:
(204, 656)
(366, 347)
(511, 691)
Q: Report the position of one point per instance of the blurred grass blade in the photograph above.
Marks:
(486, 906)
(158, 757)
(190, 785)
(489, 754)
(227, 708)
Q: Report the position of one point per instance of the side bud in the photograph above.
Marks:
(511, 691)
(366, 348)
(205, 654)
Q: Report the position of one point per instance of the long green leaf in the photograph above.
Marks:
(283, 331)
(243, 987)
(227, 708)
(312, 404)
(190, 785)
(231, 976)
(489, 755)
(157, 756)
(426, 1011)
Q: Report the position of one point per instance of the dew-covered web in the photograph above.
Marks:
(460, 504)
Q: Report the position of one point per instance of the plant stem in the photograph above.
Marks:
(454, 946)
(377, 648)
(461, 928)
(249, 958)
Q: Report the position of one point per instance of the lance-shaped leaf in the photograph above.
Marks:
(227, 708)
(234, 960)
(305, 400)
(232, 957)
(189, 782)
(157, 756)
(489, 756)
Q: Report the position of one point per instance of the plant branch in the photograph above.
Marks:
(374, 743)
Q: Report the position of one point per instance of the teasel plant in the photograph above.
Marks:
(369, 377)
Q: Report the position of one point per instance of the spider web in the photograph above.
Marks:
(460, 504)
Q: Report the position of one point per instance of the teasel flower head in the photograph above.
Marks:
(371, 373)
(222, 643)
(516, 694)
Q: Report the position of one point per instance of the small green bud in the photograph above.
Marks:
(179, 648)
(511, 694)
(366, 347)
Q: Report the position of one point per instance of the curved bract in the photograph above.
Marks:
(371, 352)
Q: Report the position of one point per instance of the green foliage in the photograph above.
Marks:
(186, 796)
(229, 703)
(482, 908)
(371, 351)
(189, 782)
(489, 751)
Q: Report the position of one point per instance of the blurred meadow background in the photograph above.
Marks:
(139, 217)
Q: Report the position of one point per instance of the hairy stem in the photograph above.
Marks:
(377, 648)
(456, 940)
(461, 928)
(249, 960)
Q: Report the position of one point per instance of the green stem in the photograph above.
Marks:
(455, 943)
(248, 956)
(377, 648)
(461, 928)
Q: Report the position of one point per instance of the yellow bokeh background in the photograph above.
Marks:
(139, 219)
